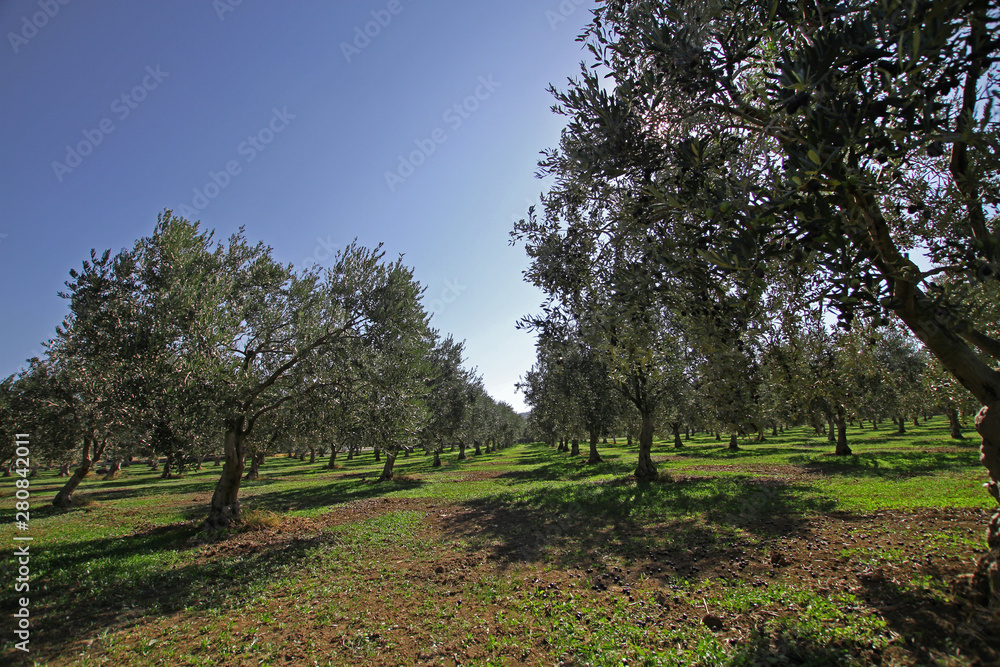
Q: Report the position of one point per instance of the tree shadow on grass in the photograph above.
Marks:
(114, 583)
(688, 528)
(337, 493)
(574, 468)
(790, 646)
(110, 584)
(930, 623)
(745, 452)
(891, 464)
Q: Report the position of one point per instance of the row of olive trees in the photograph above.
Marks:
(801, 372)
(183, 346)
(737, 153)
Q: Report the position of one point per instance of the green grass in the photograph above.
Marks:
(133, 555)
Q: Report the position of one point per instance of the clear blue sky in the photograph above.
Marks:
(289, 119)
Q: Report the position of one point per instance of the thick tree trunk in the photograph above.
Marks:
(167, 467)
(224, 510)
(646, 471)
(831, 430)
(988, 572)
(595, 456)
(733, 443)
(461, 451)
(390, 461)
(718, 437)
(63, 470)
(476, 445)
(64, 498)
(676, 428)
(902, 426)
(312, 455)
(114, 470)
(956, 427)
(774, 431)
(332, 463)
(218, 460)
(255, 461)
(350, 453)
(437, 459)
(629, 441)
(199, 461)
(575, 449)
(840, 419)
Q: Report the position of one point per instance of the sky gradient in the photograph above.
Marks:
(412, 123)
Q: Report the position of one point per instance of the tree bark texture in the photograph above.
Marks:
(224, 510)
(595, 456)
(646, 471)
(840, 419)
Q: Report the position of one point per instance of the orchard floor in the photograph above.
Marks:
(780, 554)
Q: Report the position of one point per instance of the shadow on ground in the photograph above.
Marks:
(690, 527)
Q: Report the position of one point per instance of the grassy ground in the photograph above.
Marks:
(778, 554)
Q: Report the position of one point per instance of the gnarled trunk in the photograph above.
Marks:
(646, 471)
(956, 427)
(224, 510)
(676, 428)
(988, 573)
(437, 459)
(595, 456)
(390, 461)
(256, 460)
(312, 455)
(476, 444)
(116, 467)
(332, 463)
(831, 429)
(902, 426)
(64, 498)
(841, 422)
(575, 447)
(733, 443)
(461, 451)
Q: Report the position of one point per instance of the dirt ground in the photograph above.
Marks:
(529, 556)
